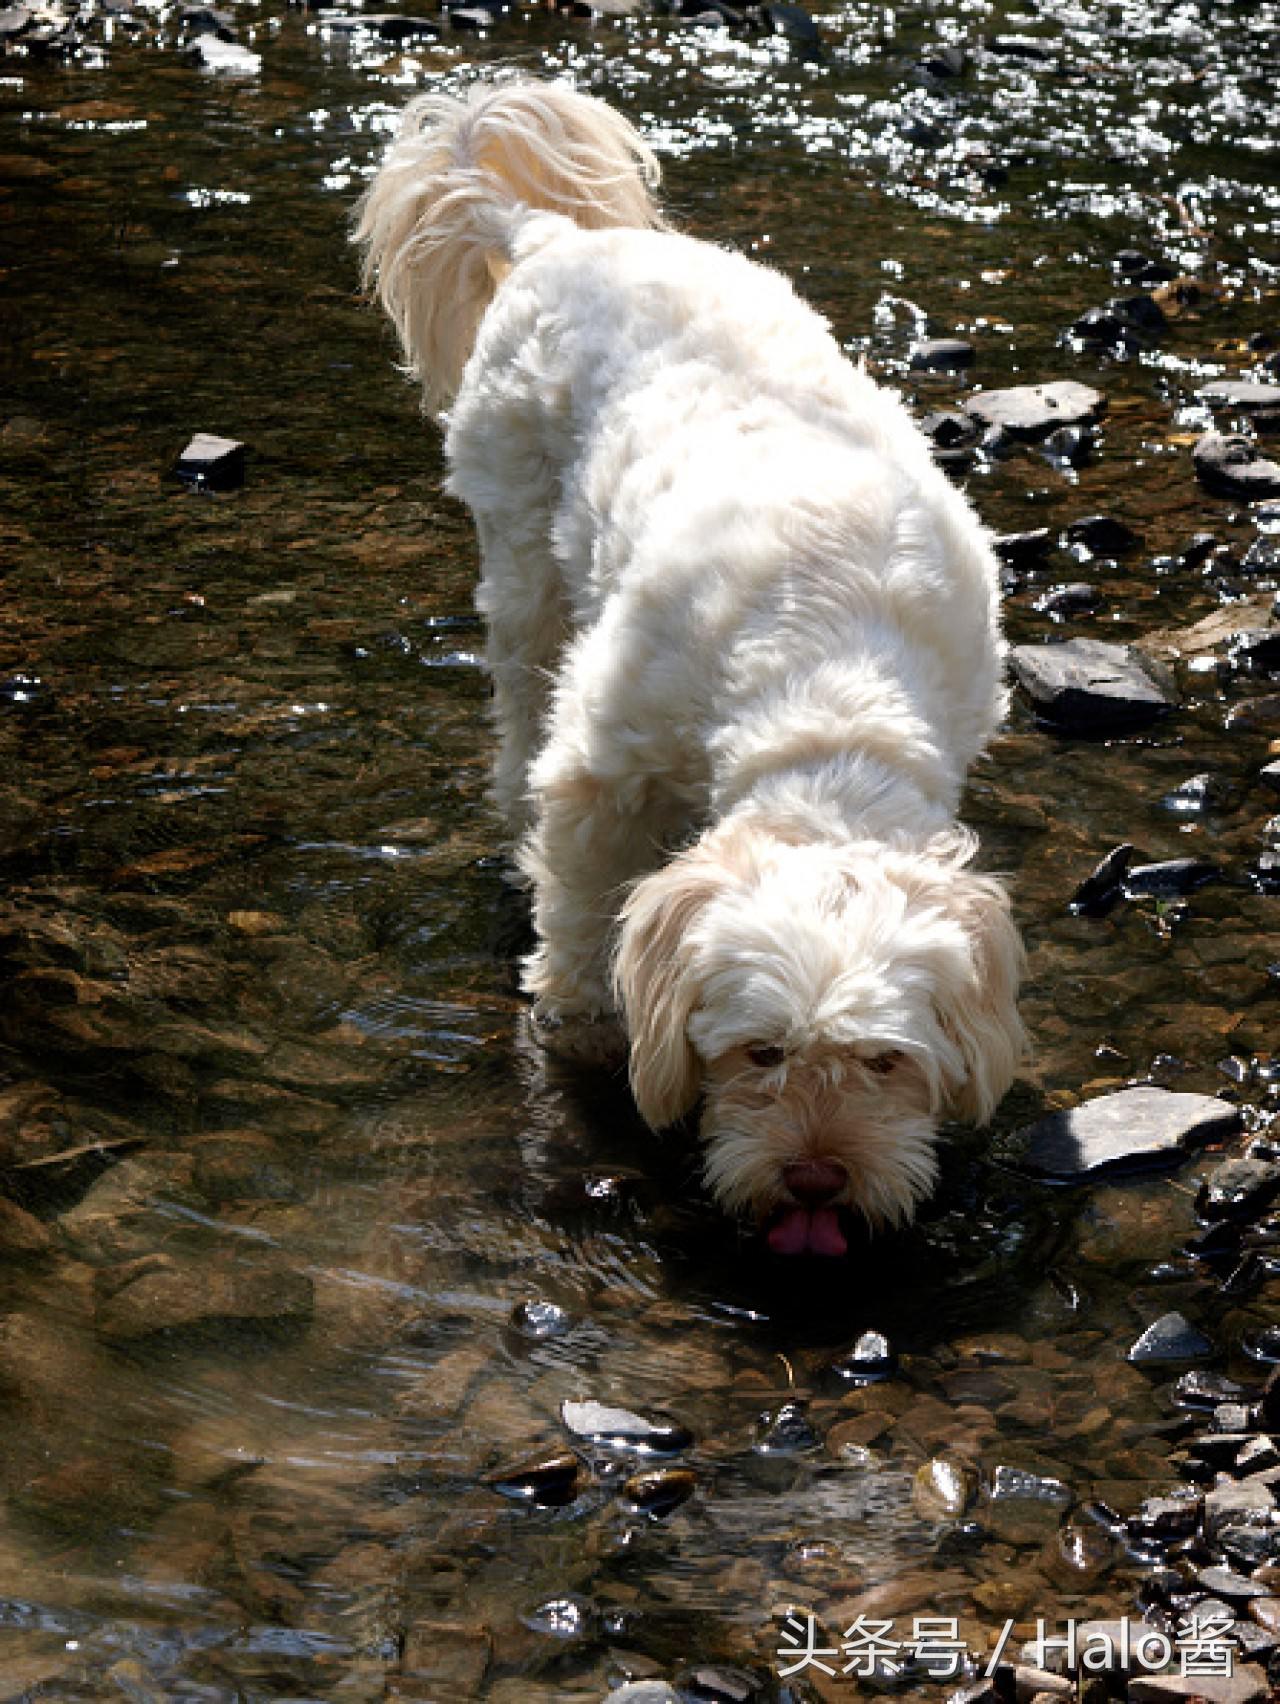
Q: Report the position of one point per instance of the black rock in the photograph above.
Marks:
(550, 1482)
(211, 463)
(1219, 1243)
(1103, 535)
(1269, 775)
(781, 18)
(1231, 466)
(943, 62)
(948, 430)
(1174, 878)
(1089, 686)
(1262, 1345)
(1101, 889)
(1198, 552)
(1166, 1518)
(942, 355)
(1075, 598)
(1022, 549)
(1031, 412)
(1238, 1189)
(786, 1430)
(1104, 329)
(1069, 446)
(1196, 796)
(1262, 558)
(1140, 268)
(1135, 1129)
(1170, 1338)
(659, 1491)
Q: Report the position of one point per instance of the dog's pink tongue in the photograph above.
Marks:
(800, 1231)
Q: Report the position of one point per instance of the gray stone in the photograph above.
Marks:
(1133, 1128)
(1170, 1338)
(1248, 1502)
(1089, 686)
(1232, 466)
(1245, 394)
(643, 1692)
(1031, 412)
(210, 462)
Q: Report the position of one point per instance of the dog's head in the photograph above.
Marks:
(831, 1003)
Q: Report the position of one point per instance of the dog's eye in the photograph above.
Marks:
(883, 1063)
(767, 1058)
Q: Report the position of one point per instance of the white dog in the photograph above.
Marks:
(744, 642)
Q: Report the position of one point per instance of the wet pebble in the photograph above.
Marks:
(1069, 446)
(1074, 598)
(944, 1488)
(786, 1430)
(658, 1491)
(948, 430)
(1024, 549)
(1101, 888)
(548, 1481)
(540, 1321)
(621, 1429)
(1196, 796)
(560, 1618)
(1172, 1337)
(1262, 1345)
(717, 1685)
(1203, 1390)
(869, 1361)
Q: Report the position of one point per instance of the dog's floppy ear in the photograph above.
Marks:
(980, 1015)
(655, 984)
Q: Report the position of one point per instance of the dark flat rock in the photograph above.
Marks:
(1089, 686)
(1170, 1338)
(216, 464)
(1031, 412)
(1138, 1129)
(1102, 887)
(1020, 549)
(1172, 878)
(1103, 535)
(1232, 466)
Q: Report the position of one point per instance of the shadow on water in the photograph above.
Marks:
(302, 1244)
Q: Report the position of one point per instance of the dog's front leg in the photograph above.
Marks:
(591, 839)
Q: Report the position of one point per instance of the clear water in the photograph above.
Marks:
(255, 1032)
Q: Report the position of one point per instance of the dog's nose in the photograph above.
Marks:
(814, 1182)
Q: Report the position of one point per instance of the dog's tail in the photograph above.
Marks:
(440, 223)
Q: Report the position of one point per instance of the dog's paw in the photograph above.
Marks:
(597, 1040)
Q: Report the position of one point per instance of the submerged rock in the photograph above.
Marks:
(1239, 1189)
(1173, 878)
(1134, 1128)
(1089, 686)
(659, 1491)
(942, 355)
(548, 1481)
(167, 1293)
(786, 1430)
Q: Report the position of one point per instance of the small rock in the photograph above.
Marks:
(1102, 887)
(782, 18)
(549, 1481)
(1075, 598)
(718, 1685)
(540, 1321)
(942, 355)
(1231, 466)
(1069, 446)
(1170, 1338)
(1262, 1345)
(1196, 796)
(1207, 1391)
(560, 1618)
(1020, 550)
(1243, 1685)
(1031, 412)
(1103, 535)
(620, 1429)
(870, 1361)
(1089, 686)
(211, 463)
(1238, 1189)
(229, 57)
(948, 430)
(659, 1491)
(786, 1430)
(1174, 878)
(944, 1488)
(1136, 1128)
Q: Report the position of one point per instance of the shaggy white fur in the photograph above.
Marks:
(744, 642)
